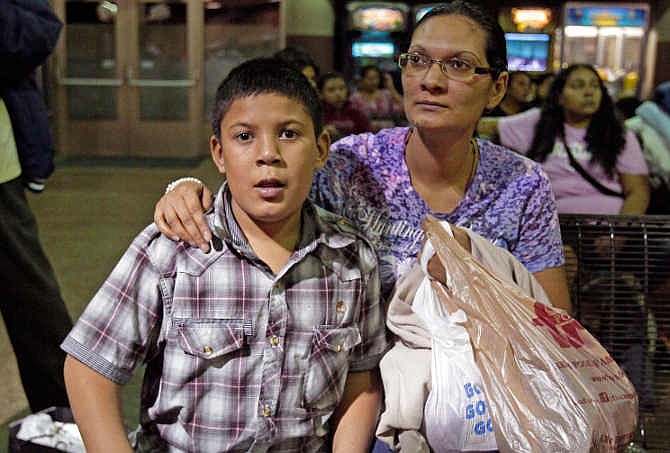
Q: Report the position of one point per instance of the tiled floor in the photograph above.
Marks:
(87, 217)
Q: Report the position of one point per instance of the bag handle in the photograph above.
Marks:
(429, 251)
(590, 179)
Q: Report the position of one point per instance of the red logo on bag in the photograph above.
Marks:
(562, 327)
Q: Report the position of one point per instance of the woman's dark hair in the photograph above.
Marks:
(662, 96)
(604, 136)
(496, 46)
(328, 76)
(626, 106)
(266, 76)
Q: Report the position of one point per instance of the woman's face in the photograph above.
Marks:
(370, 81)
(433, 101)
(334, 92)
(581, 95)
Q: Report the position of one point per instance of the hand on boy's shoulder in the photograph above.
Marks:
(180, 213)
(164, 254)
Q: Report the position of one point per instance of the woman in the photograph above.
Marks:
(386, 183)
(380, 105)
(340, 118)
(607, 173)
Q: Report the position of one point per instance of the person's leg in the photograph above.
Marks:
(32, 308)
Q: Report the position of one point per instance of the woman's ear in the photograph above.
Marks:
(498, 90)
(216, 150)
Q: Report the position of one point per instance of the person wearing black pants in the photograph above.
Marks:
(36, 317)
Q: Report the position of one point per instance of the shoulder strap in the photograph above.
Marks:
(590, 179)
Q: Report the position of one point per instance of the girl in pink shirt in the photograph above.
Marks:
(578, 118)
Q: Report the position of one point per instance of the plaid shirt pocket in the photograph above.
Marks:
(210, 338)
(328, 366)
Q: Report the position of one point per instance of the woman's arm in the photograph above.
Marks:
(355, 418)
(555, 283)
(487, 126)
(96, 405)
(636, 193)
(179, 214)
(553, 280)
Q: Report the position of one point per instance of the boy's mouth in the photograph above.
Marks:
(269, 187)
(269, 183)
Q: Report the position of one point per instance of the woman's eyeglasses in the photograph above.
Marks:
(453, 68)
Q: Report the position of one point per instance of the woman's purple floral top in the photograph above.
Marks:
(508, 202)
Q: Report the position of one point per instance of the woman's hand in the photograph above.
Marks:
(179, 214)
(435, 267)
(636, 191)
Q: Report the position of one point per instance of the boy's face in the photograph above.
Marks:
(268, 152)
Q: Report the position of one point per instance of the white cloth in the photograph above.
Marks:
(656, 150)
(43, 430)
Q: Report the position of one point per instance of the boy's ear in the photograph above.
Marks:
(217, 153)
(322, 149)
(498, 90)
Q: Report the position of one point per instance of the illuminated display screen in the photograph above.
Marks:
(378, 18)
(373, 49)
(612, 16)
(527, 51)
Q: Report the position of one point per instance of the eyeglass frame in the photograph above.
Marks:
(495, 72)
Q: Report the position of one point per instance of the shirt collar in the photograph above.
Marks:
(315, 227)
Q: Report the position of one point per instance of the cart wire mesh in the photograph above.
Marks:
(619, 274)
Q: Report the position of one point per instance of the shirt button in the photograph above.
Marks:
(266, 411)
(274, 341)
(207, 350)
(339, 348)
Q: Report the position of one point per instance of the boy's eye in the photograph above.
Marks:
(243, 136)
(288, 133)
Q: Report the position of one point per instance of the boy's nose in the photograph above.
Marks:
(269, 152)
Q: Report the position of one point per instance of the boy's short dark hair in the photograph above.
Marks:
(266, 76)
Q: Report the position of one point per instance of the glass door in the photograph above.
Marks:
(127, 78)
(90, 103)
(163, 77)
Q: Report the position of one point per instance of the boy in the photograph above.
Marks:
(268, 343)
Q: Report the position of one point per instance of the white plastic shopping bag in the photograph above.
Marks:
(456, 415)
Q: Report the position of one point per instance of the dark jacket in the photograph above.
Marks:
(29, 31)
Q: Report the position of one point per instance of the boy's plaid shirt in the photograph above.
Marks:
(238, 359)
